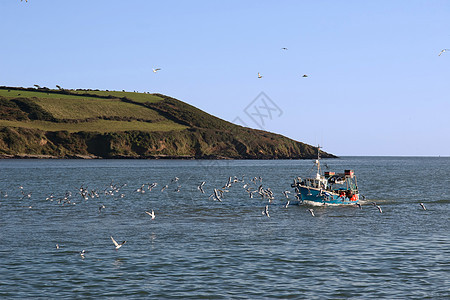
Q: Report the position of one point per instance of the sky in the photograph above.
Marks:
(375, 83)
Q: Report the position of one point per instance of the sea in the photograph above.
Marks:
(199, 248)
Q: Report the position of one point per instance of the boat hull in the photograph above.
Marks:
(311, 196)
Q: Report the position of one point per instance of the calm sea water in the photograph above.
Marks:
(200, 248)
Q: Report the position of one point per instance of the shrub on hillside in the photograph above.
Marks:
(34, 111)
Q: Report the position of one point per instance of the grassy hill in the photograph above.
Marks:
(41, 122)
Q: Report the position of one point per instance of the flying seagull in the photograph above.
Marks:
(259, 75)
(117, 244)
(216, 195)
(423, 206)
(151, 214)
(304, 75)
(82, 253)
(312, 212)
(266, 211)
(156, 70)
(379, 209)
(442, 51)
(200, 187)
(284, 48)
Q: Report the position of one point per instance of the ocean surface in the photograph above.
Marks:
(197, 247)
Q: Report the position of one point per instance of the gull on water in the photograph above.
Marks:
(151, 214)
(141, 189)
(117, 244)
(423, 206)
(266, 211)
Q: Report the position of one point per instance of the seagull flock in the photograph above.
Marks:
(304, 75)
(254, 187)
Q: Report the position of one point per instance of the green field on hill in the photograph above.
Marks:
(100, 126)
(76, 108)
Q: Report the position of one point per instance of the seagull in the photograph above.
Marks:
(100, 208)
(215, 195)
(228, 184)
(266, 211)
(442, 51)
(312, 212)
(423, 206)
(156, 70)
(287, 204)
(151, 186)
(285, 193)
(82, 253)
(284, 48)
(304, 75)
(57, 246)
(117, 244)
(151, 214)
(358, 205)
(259, 75)
(141, 189)
(379, 208)
(200, 187)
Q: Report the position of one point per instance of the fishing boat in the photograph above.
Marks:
(328, 188)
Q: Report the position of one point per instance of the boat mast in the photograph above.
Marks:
(318, 162)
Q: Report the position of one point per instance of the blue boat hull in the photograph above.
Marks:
(312, 196)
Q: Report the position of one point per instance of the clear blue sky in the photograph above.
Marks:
(375, 85)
